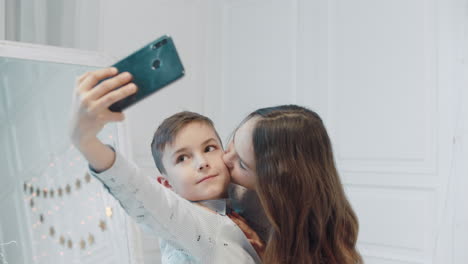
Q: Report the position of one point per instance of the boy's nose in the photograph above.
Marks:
(202, 162)
(202, 166)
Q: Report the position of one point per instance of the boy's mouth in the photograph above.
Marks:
(207, 177)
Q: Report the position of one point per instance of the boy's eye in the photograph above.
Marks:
(210, 148)
(181, 158)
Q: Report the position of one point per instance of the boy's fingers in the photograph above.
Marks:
(116, 117)
(80, 78)
(94, 77)
(117, 95)
(108, 85)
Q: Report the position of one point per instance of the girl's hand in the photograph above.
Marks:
(251, 235)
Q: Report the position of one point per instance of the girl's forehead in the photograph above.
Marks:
(243, 140)
(246, 129)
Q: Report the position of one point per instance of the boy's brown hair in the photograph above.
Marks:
(167, 131)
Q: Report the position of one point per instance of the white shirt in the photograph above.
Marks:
(188, 232)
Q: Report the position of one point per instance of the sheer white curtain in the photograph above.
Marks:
(2, 19)
(71, 23)
(25, 21)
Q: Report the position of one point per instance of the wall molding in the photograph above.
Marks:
(424, 160)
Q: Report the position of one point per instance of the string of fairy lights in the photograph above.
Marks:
(45, 202)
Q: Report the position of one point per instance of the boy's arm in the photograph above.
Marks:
(100, 156)
(90, 112)
(159, 209)
(145, 200)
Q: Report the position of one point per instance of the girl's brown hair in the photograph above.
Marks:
(300, 190)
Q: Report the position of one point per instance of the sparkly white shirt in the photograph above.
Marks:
(188, 233)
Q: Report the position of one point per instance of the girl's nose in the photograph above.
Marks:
(228, 155)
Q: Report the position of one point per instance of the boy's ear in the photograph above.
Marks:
(164, 182)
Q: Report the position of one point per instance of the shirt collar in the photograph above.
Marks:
(220, 206)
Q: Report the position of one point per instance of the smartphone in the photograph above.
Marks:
(153, 67)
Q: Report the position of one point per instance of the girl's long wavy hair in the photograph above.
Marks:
(300, 189)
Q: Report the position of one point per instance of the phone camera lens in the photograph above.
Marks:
(156, 64)
(157, 45)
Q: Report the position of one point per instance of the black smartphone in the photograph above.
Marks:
(153, 67)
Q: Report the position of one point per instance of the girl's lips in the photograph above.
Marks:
(207, 177)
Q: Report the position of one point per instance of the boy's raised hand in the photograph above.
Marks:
(91, 101)
(90, 111)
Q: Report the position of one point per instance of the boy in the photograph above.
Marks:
(188, 152)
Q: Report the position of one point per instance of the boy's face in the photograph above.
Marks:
(194, 163)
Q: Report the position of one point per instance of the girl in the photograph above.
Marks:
(285, 154)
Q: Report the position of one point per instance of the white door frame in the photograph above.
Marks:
(20, 50)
